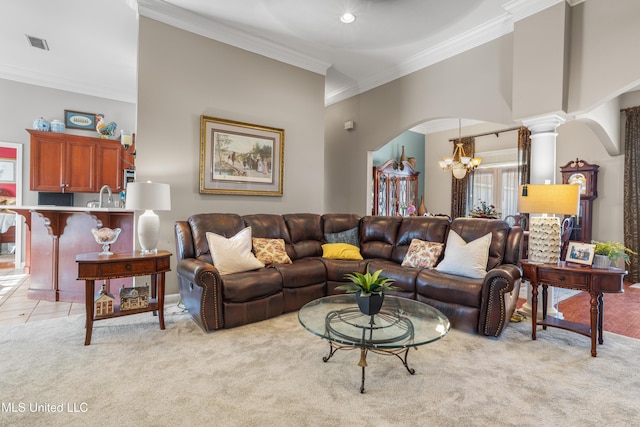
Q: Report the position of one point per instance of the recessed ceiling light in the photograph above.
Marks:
(347, 18)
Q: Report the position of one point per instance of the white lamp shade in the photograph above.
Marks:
(459, 171)
(148, 196)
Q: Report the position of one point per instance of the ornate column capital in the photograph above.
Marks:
(545, 124)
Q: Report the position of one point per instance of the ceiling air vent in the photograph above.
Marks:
(37, 42)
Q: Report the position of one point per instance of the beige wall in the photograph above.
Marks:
(182, 76)
(477, 85)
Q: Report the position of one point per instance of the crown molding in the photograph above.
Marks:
(180, 18)
(468, 40)
(56, 82)
(520, 9)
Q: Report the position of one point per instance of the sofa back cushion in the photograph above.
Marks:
(427, 228)
(473, 228)
(270, 226)
(378, 235)
(337, 223)
(227, 225)
(305, 230)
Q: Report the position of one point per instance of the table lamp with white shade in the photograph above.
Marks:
(148, 196)
(544, 231)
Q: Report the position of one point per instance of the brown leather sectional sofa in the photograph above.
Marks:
(482, 306)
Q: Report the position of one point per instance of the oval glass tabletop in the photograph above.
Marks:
(402, 322)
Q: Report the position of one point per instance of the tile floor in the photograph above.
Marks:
(16, 308)
(622, 311)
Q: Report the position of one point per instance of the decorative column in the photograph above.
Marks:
(543, 171)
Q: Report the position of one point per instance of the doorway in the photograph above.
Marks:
(11, 228)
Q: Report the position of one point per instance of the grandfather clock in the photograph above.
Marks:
(581, 173)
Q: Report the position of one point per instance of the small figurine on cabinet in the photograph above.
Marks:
(104, 302)
(134, 298)
(105, 130)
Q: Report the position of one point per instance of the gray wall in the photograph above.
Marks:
(182, 76)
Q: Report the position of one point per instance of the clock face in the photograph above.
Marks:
(579, 179)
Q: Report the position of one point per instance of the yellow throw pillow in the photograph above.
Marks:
(270, 251)
(341, 251)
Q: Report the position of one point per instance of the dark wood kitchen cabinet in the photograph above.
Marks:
(63, 163)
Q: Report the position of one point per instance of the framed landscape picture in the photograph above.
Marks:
(240, 158)
(581, 253)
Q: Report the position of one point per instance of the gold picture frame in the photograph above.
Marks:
(240, 158)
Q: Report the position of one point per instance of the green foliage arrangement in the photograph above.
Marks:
(367, 283)
(613, 250)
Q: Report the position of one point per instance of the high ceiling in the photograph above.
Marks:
(93, 43)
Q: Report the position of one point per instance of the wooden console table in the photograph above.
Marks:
(572, 276)
(92, 267)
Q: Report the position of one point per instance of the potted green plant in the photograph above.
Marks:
(606, 253)
(369, 289)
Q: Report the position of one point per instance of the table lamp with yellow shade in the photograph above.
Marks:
(544, 231)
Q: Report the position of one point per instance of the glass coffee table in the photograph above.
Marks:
(401, 324)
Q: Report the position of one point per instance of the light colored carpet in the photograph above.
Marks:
(271, 374)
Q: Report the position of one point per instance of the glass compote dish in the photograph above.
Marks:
(105, 236)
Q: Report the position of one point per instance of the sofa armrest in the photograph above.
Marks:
(201, 292)
(498, 297)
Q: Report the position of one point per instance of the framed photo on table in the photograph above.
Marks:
(580, 253)
(240, 158)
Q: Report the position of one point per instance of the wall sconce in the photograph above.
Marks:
(126, 138)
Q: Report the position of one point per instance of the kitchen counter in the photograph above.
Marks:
(56, 234)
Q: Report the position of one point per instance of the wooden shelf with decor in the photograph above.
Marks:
(395, 184)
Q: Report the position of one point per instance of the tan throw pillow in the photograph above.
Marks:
(422, 254)
(466, 259)
(270, 251)
(233, 255)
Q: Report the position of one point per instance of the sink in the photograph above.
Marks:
(93, 204)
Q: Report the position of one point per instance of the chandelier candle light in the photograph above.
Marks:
(148, 196)
(544, 231)
(460, 163)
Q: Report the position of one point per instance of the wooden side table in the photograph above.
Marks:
(572, 276)
(92, 267)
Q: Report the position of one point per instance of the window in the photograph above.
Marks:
(496, 182)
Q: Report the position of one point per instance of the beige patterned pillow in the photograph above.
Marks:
(422, 254)
(270, 251)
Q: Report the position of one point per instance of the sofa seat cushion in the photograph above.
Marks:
(303, 272)
(251, 285)
(337, 268)
(449, 288)
(404, 278)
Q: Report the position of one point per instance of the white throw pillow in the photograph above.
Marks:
(233, 255)
(466, 259)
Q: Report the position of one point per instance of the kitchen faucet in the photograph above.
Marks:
(109, 199)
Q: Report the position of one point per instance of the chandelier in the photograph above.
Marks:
(459, 164)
